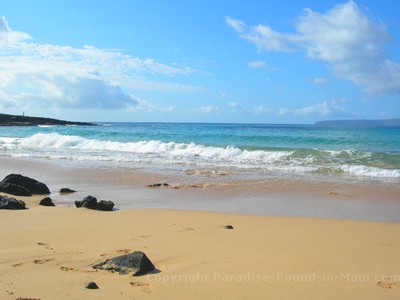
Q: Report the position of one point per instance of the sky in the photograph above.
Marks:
(228, 61)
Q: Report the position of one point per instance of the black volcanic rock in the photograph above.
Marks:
(11, 203)
(46, 202)
(14, 189)
(92, 286)
(31, 185)
(91, 203)
(13, 120)
(66, 191)
(136, 262)
(105, 205)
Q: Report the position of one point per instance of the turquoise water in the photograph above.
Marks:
(246, 149)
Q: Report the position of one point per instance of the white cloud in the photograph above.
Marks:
(44, 75)
(257, 64)
(150, 107)
(319, 81)
(344, 37)
(205, 109)
(325, 108)
(262, 36)
(260, 110)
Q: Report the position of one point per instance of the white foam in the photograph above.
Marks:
(371, 171)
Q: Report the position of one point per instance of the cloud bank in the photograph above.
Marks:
(325, 108)
(45, 75)
(344, 37)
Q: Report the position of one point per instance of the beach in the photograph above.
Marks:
(47, 252)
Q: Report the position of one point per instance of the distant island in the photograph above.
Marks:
(360, 123)
(14, 120)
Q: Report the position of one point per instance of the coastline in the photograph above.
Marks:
(127, 188)
(47, 251)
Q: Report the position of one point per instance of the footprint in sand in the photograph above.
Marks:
(138, 283)
(42, 261)
(146, 287)
(66, 269)
(386, 284)
(47, 246)
(18, 265)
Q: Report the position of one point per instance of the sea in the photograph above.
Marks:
(243, 151)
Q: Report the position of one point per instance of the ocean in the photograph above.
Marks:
(244, 151)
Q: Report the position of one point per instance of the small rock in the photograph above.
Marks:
(47, 202)
(92, 285)
(66, 191)
(11, 203)
(105, 205)
(229, 227)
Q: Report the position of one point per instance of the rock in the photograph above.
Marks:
(11, 203)
(136, 262)
(92, 285)
(66, 191)
(91, 203)
(32, 185)
(46, 202)
(105, 205)
(14, 189)
(158, 185)
(229, 227)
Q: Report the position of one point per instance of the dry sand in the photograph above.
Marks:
(46, 253)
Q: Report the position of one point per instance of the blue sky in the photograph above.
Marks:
(200, 61)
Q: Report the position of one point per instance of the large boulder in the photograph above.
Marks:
(91, 203)
(136, 263)
(14, 189)
(31, 185)
(11, 203)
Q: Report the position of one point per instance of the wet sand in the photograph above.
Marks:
(127, 188)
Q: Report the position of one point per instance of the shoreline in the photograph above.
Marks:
(127, 188)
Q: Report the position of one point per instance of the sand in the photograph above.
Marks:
(326, 246)
(46, 253)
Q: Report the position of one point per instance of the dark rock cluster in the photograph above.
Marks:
(158, 185)
(19, 185)
(91, 203)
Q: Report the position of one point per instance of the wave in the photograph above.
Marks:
(192, 156)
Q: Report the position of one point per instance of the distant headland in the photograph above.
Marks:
(360, 123)
(15, 120)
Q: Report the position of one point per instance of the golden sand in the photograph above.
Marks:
(46, 253)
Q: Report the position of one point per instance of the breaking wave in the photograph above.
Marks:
(192, 155)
